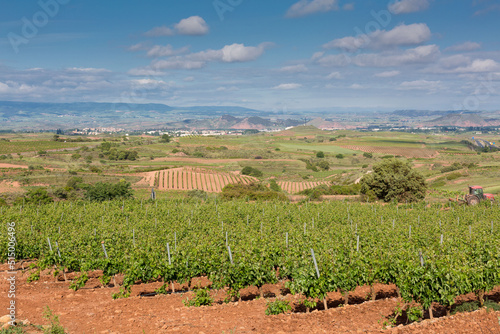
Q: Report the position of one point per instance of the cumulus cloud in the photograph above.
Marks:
(402, 35)
(241, 53)
(165, 51)
(288, 86)
(419, 55)
(159, 32)
(334, 75)
(307, 7)
(300, 68)
(194, 26)
(466, 46)
(387, 74)
(420, 85)
(145, 72)
(408, 6)
(228, 54)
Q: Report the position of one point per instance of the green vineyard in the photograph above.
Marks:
(431, 253)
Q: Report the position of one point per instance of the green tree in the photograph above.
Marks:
(394, 179)
(324, 165)
(251, 171)
(165, 139)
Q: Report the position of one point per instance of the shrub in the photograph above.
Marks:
(279, 306)
(75, 156)
(251, 171)
(368, 155)
(253, 191)
(107, 191)
(339, 156)
(74, 182)
(453, 176)
(320, 154)
(3, 202)
(324, 165)
(54, 327)
(38, 195)
(394, 179)
(201, 298)
(274, 186)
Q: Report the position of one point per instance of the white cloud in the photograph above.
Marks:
(288, 86)
(356, 86)
(408, 6)
(241, 53)
(334, 60)
(228, 54)
(183, 64)
(419, 55)
(466, 46)
(420, 85)
(87, 70)
(334, 75)
(136, 47)
(317, 55)
(387, 74)
(159, 31)
(149, 82)
(307, 7)
(460, 64)
(145, 72)
(479, 66)
(402, 35)
(188, 79)
(165, 51)
(300, 68)
(4, 88)
(194, 25)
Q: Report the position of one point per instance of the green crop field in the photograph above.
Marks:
(431, 255)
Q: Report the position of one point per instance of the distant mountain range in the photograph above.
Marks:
(133, 116)
(464, 120)
(35, 116)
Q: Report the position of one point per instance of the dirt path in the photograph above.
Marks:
(4, 165)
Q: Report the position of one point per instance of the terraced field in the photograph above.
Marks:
(196, 178)
(295, 187)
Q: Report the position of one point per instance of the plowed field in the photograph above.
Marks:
(191, 179)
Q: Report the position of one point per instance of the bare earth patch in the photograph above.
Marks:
(92, 310)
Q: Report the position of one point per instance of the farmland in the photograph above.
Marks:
(250, 252)
(430, 255)
(196, 179)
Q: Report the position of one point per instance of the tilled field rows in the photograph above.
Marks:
(191, 179)
(295, 187)
(408, 152)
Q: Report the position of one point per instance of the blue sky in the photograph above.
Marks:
(271, 55)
